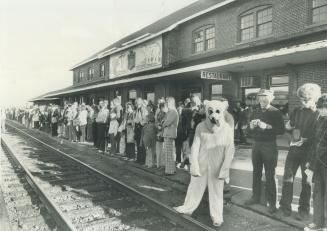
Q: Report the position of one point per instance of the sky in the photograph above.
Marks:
(40, 40)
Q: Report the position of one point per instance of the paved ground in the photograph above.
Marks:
(171, 190)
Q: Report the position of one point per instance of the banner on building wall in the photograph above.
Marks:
(216, 75)
(145, 56)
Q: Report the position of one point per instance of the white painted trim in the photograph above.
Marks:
(236, 60)
(171, 27)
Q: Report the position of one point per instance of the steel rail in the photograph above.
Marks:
(63, 223)
(185, 220)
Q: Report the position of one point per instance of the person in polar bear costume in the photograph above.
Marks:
(211, 156)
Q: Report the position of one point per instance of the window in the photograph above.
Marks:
(75, 77)
(204, 39)
(247, 27)
(264, 19)
(80, 76)
(102, 69)
(319, 11)
(216, 91)
(256, 23)
(90, 74)
(280, 85)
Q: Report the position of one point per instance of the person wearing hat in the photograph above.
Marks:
(301, 128)
(266, 123)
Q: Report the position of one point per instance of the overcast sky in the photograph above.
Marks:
(40, 40)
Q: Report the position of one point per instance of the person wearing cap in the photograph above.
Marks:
(266, 123)
(301, 128)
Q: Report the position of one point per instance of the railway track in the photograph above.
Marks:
(25, 210)
(79, 197)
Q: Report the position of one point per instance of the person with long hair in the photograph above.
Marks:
(170, 133)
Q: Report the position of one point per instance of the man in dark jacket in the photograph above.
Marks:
(318, 168)
(266, 123)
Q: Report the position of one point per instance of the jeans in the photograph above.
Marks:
(320, 195)
(296, 158)
(264, 155)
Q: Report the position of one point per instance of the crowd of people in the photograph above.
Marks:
(162, 136)
(153, 135)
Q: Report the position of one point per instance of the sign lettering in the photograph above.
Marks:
(216, 75)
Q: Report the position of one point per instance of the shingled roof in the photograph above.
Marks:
(159, 25)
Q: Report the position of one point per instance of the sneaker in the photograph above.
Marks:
(251, 201)
(180, 209)
(302, 216)
(178, 165)
(217, 223)
(314, 227)
(186, 168)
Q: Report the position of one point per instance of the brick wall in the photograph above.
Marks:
(289, 18)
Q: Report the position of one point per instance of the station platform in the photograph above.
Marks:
(171, 189)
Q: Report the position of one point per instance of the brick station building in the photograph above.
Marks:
(212, 48)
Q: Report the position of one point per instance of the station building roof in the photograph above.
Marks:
(159, 27)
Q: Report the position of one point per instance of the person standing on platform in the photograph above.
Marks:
(317, 169)
(170, 133)
(112, 132)
(89, 132)
(36, 117)
(159, 118)
(301, 127)
(130, 141)
(101, 126)
(118, 110)
(94, 125)
(181, 136)
(82, 117)
(148, 140)
(139, 120)
(266, 123)
(54, 121)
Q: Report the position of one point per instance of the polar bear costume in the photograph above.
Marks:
(211, 157)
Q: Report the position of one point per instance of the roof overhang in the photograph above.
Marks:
(43, 99)
(298, 54)
(154, 35)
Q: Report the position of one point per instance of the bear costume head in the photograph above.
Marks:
(215, 113)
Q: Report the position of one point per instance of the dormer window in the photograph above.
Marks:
(102, 70)
(319, 11)
(80, 76)
(256, 23)
(204, 39)
(90, 74)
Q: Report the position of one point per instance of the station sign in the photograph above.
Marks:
(142, 57)
(225, 76)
